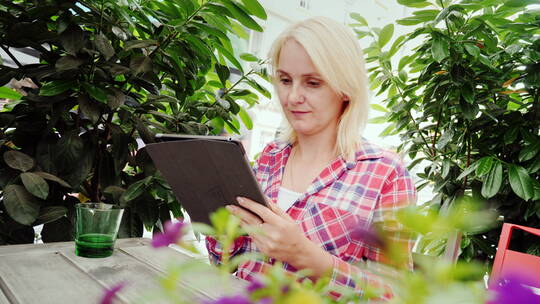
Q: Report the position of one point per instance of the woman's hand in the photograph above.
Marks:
(279, 237)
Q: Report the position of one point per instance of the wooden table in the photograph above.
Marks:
(52, 273)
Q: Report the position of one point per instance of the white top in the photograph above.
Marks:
(286, 198)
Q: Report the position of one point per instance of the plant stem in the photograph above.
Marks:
(11, 56)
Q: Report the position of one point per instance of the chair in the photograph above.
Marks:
(509, 261)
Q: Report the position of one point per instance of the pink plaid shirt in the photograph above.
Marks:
(346, 195)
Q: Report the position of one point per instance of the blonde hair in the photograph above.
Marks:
(336, 54)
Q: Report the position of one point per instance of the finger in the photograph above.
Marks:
(277, 210)
(244, 215)
(266, 214)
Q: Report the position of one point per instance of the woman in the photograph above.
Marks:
(323, 181)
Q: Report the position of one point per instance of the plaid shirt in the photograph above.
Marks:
(344, 197)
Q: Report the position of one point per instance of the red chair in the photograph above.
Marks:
(509, 261)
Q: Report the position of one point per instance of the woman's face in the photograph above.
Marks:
(308, 102)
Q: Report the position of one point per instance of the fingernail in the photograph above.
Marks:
(230, 207)
(240, 199)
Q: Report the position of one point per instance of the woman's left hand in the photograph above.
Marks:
(280, 237)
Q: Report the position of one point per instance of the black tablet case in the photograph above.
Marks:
(205, 173)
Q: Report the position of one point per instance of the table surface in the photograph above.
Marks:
(52, 273)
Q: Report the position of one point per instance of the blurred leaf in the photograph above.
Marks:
(248, 57)
(7, 93)
(35, 184)
(359, 18)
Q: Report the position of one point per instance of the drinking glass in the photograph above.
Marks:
(96, 229)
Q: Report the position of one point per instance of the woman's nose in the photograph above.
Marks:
(296, 95)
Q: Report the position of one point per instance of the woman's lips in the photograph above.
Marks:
(299, 113)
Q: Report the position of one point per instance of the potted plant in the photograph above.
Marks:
(111, 73)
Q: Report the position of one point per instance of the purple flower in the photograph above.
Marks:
(238, 299)
(512, 289)
(110, 293)
(172, 234)
(266, 300)
(254, 286)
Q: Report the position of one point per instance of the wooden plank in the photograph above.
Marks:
(54, 247)
(46, 277)
(141, 279)
(203, 278)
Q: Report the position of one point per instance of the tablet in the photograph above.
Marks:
(205, 172)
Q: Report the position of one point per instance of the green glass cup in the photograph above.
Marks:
(96, 229)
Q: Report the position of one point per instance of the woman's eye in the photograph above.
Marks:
(314, 83)
(285, 80)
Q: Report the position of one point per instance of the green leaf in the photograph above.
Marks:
(53, 178)
(359, 18)
(133, 191)
(35, 184)
(259, 88)
(72, 39)
(439, 48)
(56, 87)
(414, 3)
(20, 204)
(241, 15)
(535, 166)
(95, 92)
(68, 62)
(89, 108)
(511, 135)
(467, 91)
(529, 152)
(255, 8)
(378, 120)
(223, 73)
(138, 44)
(386, 34)
(468, 171)
(484, 166)
(520, 182)
(378, 107)
(7, 93)
(50, 214)
(229, 57)
(140, 64)
(396, 45)
(18, 160)
(103, 45)
(472, 49)
(248, 57)
(244, 116)
(493, 181)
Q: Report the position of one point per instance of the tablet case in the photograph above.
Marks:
(205, 172)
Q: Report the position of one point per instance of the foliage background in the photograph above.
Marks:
(466, 103)
(111, 72)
